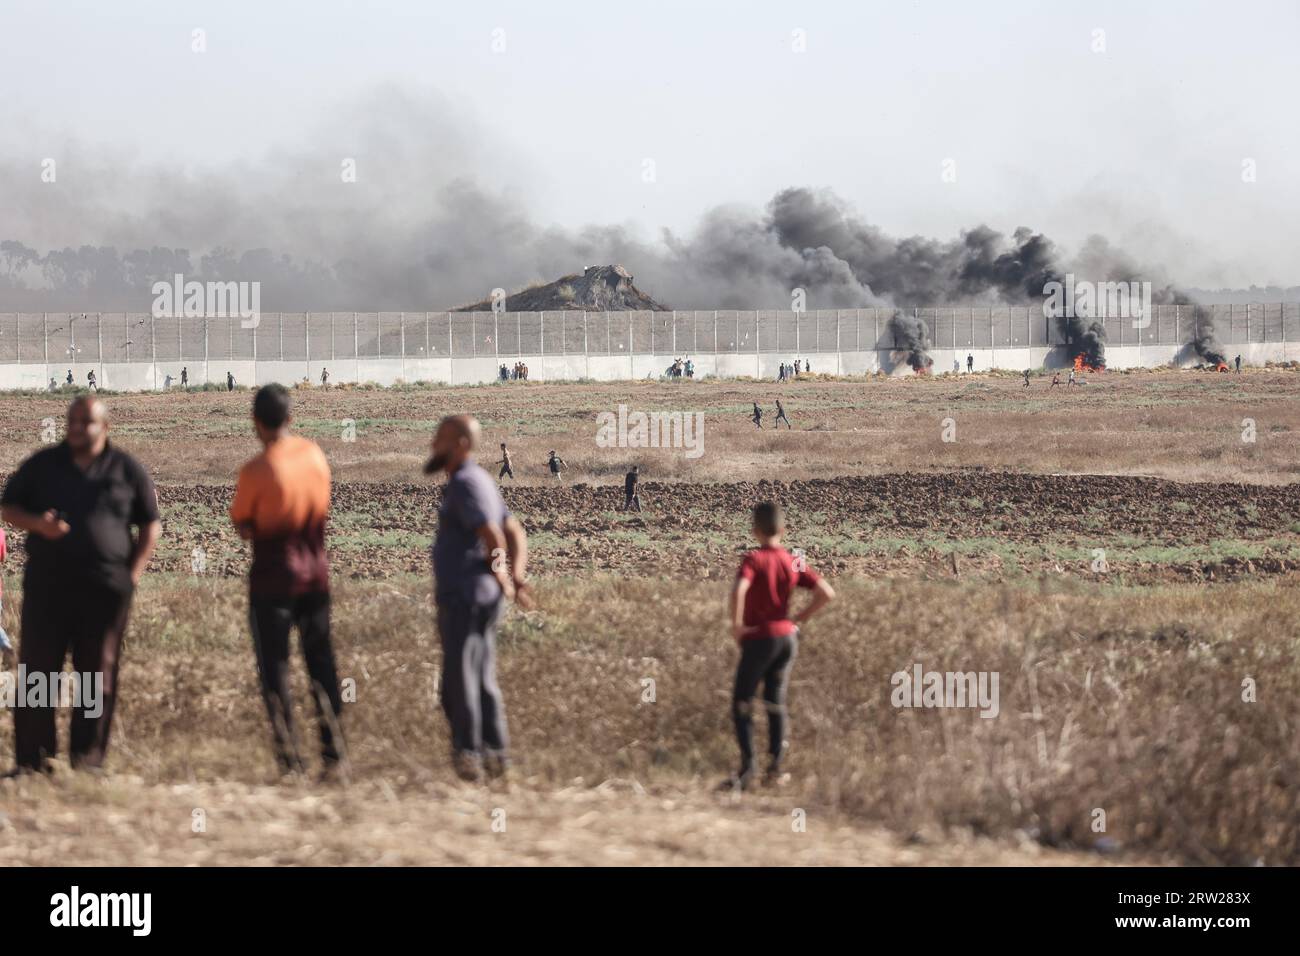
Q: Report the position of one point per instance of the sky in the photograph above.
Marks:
(1164, 126)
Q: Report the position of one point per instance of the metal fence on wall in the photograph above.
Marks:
(56, 338)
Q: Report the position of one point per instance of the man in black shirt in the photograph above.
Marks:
(629, 489)
(77, 502)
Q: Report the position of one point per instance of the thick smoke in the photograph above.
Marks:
(909, 334)
(411, 234)
(1203, 341)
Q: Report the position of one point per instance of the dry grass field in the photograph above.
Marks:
(1124, 555)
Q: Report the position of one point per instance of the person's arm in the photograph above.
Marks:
(494, 542)
(18, 501)
(145, 542)
(145, 516)
(48, 525)
(242, 508)
(736, 608)
(517, 547)
(822, 595)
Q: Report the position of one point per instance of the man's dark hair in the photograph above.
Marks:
(769, 517)
(271, 405)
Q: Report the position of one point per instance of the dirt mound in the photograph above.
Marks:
(598, 289)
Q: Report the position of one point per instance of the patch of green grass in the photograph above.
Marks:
(361, 540)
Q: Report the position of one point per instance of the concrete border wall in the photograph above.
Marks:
(149, 376)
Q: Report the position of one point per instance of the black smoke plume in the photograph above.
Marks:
(411, 233)
(1203, 340)
(909, 334)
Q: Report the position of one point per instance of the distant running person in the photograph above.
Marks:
(1026, 378)
(281, 504)
(781, 416)
(507, 466)
(759, 611)
(757, 417)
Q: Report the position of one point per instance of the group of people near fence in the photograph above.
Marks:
(786, 372)
(519, 372)
(681, 367)
(91, 516)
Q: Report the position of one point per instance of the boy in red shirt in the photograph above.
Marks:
(768, 636)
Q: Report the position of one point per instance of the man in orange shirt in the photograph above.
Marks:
(281, 503)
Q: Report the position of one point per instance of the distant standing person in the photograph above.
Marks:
(781, 416)
(507, 466)
(1026, 378)
(185, 377)
(78, 501)
(1071, 380)
(556, 464)
(1238, 361)
(629, 489)
(69, 379)
(757, 417)
(480, 558)
(759, 611)
(281, 505)
(970, 363)
(90, 381)
(324, 377)
(230, 382)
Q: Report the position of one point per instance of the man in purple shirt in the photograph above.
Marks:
(480, 557)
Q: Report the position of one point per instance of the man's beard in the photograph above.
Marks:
(436, 463)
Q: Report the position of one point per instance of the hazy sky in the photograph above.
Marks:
(1144, 142)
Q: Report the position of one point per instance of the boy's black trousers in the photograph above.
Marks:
(765, 660)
